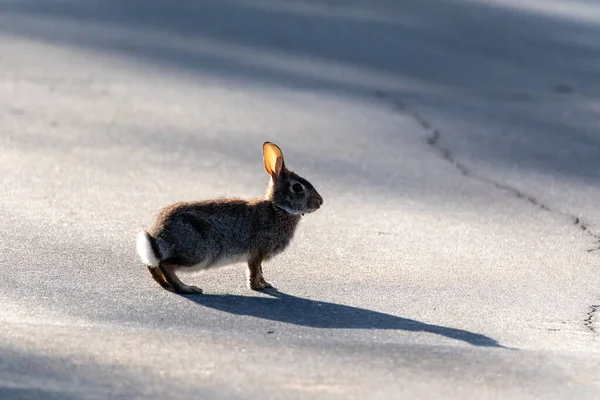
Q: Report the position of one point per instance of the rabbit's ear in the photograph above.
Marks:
(273, 159)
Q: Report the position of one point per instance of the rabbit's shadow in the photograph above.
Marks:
(282, 307)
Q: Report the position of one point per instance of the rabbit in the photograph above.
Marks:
(205, 234)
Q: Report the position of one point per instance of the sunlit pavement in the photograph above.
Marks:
(456, 145)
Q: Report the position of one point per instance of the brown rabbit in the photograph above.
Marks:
(206, 234)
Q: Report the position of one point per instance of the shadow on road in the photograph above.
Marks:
(290, 309)
(33, 393)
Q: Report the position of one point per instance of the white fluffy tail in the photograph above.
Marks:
(144, 250)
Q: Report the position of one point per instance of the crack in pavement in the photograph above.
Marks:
(589, 321)
(434, 141)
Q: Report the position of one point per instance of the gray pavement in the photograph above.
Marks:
(456, 145)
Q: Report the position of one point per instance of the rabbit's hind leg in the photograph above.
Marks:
(158, 277)
(174, 282)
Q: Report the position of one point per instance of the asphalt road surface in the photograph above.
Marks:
(456, 145)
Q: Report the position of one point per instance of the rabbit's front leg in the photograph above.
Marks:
(262, 279)
(256, 281)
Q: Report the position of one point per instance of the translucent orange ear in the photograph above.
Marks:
(273, 159)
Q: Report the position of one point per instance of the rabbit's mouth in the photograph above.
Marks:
(310, 210)
(300, 212)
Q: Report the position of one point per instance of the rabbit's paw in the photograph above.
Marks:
(266, 284)
(189, 290)
(259, 285)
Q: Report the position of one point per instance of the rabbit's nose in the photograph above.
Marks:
(318, 202)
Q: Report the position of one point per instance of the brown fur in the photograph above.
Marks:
(209, 233)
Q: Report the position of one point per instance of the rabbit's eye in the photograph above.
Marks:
(297, 188)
